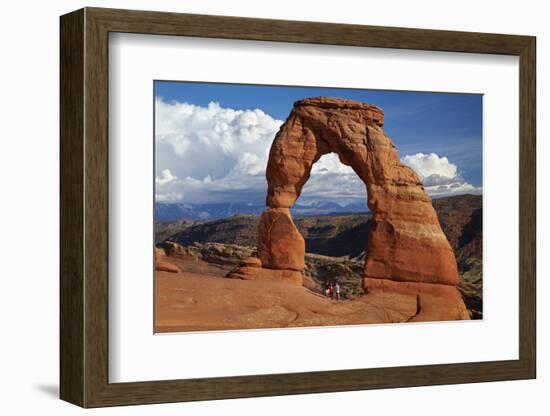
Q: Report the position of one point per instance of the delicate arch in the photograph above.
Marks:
(405, 241)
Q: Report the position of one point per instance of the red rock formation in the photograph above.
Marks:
(434, 302)
(280, 244)
(161, 264)
(251, 268)
(406, 243)
(292, 277)
(251, 262)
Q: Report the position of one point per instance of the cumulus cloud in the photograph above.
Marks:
(439, 176)
(332, 180)
(164, 186)
(211, 150)
(215, 154)
(165, 178)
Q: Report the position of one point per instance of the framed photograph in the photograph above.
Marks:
(255, 207)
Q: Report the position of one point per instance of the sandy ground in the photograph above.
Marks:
(199, 298)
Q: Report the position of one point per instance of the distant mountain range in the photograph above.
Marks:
(174, 212)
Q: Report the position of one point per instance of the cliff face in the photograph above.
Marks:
(461, 221)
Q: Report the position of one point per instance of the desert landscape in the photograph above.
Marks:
(407, 258)
(193, 293)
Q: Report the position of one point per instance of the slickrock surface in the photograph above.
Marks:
(199, 299)
(161, 264)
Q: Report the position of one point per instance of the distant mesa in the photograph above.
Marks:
(407, 250)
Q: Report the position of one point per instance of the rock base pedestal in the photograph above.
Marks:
(434, 302)
(292, 277)
(251, 269)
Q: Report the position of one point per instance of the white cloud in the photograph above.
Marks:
(168, 197)
(331, 179)
(439, 176)
(165, 178)
(216, 154)
(212, 149)
(427, 165)
(330, 163)
(164, 185)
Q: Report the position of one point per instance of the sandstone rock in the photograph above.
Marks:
(161, 264)
(166, 267)
(173, 249)
(259, 273)
(217, 253)
(310, 283)
(280, 244)
(435, 302)
(159, 253)
(408, 257)
(406, 242)
(251, 262)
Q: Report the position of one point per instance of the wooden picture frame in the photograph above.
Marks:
(84, 207)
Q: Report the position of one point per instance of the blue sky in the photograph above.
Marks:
(447, 125)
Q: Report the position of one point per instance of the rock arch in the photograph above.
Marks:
(407, 249)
